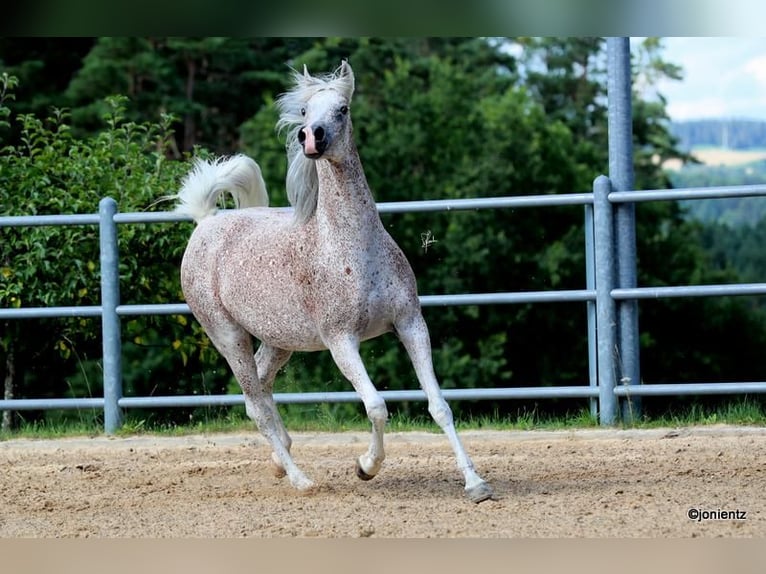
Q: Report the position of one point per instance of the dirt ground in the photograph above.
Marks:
(584, 483)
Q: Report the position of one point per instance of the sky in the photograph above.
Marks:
(724, 77)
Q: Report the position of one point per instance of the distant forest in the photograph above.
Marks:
(725, 133)
(732, 230)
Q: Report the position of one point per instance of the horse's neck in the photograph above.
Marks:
(345, 201)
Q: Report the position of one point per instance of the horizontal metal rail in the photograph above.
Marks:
(51, 312)
(425, 301)
(509, 298)
(485, 203)
(690, 291)
(51, 403)
(503, 393)
(678, 389)
(153, 309)
(303, 398)
(465, 204)
(687, 193)
(504, 298)
(48, 220)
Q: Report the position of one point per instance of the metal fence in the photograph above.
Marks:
(611, 294)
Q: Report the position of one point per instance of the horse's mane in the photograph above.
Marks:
(301, 183)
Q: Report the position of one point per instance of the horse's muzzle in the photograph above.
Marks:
(314, 140)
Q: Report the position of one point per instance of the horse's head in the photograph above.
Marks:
(318, 110)
(315, 114)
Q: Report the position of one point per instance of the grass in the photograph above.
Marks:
(323, 418)
(742, 412)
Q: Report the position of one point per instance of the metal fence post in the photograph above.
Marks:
(110, 321)
(590, 284)
(621, 175)
(606, 316)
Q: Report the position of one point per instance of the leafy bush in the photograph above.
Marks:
(50, 171)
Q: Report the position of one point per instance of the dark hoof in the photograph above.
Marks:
(276, 467)
(278, 471)
(479, 493)
(361, 474)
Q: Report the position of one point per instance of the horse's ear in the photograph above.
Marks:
(306, 72)
(347, 74)
(345, 69)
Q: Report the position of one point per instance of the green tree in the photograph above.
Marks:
(44, 68)
(212, 84)
(51, 172)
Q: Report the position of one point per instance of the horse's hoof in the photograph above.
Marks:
(304, 485)
(361, 474)
(479, 493)
(276, 467)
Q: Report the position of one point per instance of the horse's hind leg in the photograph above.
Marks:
(345, 353)
(268, 361)
(236, 345)
(413, 334)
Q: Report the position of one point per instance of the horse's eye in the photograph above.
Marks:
(303, 111)
(344, 110)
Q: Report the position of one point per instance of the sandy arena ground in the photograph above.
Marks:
(584, 483)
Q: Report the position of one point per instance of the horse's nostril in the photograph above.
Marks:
(319, 134)
(302, 135)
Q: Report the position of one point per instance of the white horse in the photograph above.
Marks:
(327, 276)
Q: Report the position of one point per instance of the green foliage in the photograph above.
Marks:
(7, 84)
(52, 171)
(737, 251)
(210, 84)
(733, 211)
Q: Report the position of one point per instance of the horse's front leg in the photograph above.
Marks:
(345, 353)
(413, 333)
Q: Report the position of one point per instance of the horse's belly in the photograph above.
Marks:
(286, 333)
(285, 325)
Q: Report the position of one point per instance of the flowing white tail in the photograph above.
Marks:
(238, 175)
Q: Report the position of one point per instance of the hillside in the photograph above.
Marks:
(730, 152)
(723, 167)
(732, 134)
(718, 157)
